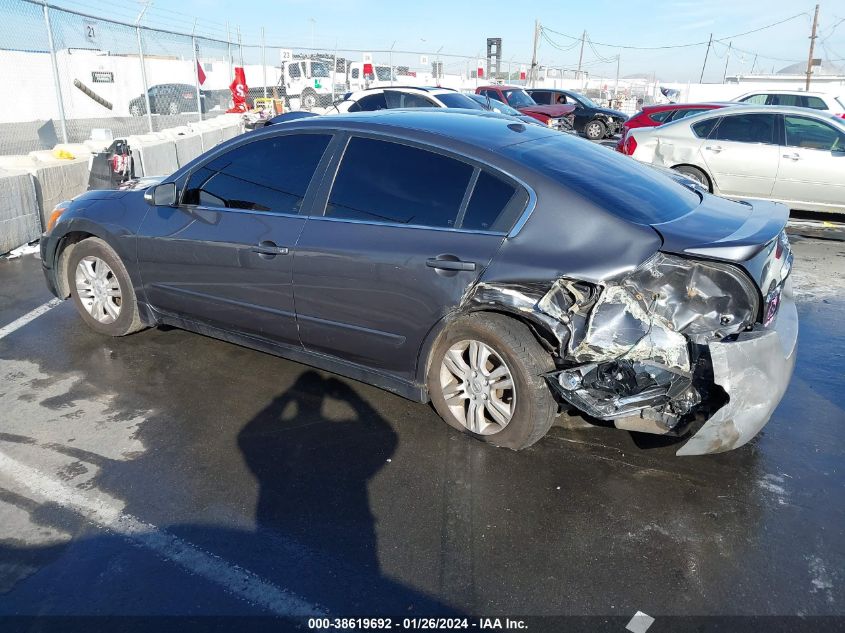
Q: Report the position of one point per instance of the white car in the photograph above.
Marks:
(791, 155)
(389, 98)
(814, 100)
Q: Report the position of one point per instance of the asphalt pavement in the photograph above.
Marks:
(168, 474)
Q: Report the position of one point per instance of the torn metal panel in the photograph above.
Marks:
(754, 370)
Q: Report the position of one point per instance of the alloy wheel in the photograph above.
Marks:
(98, 289)
(478, 387)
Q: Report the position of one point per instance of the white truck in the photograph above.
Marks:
(309, 80)
(356, 79)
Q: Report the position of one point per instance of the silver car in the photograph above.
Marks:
(791, 155)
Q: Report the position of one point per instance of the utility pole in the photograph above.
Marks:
(754, 63)
(701, 79)
(616, 87)
(727, 61)
(534, 54)
(812, 46)
(581, 56)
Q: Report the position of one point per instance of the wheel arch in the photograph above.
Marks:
(711, 185)
(541, 332)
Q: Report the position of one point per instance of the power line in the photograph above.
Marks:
(691, 44)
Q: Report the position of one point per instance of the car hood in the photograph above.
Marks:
(554, 111)
(614, 113)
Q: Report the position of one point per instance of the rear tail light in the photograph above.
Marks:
(842, 115)
(188, 95)
(630, 146)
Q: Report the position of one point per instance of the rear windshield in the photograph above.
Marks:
(616, 183)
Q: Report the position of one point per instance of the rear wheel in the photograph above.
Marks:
(308, 99)
(101, 289)
(595, 130)
(173, 107)
(486, 379)
(696, 174)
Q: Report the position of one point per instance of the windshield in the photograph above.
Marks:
(319, 69)
(503, 108)
(519, 98)
(623, 187)
(585, 100)
(457, 100)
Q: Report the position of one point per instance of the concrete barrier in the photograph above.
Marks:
(188, 144)
(54, 179)
(19, 217)
(154, 154)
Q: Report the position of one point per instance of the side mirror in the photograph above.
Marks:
(163, 195)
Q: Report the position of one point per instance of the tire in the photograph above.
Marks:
(173, 108)
(532, 407)
(696, 174)
(120, 317)
(595, 130)
(135, 110)
(308, 99)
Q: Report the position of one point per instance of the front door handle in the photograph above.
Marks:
(268, 250)
(452, 263)
(714, 148)
(793, 156)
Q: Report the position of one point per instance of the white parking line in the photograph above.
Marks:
(29, 316)
(106, 513)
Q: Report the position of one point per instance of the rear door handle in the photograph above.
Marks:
(793, 156)
(714, 148)
(268, 250)
(449, 264)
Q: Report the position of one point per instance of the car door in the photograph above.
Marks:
(812, 164)
(742, 154)
(224, 255)
(398, 237)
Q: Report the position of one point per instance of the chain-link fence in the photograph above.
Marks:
(72, 73)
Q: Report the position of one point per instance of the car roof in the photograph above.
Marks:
(751, 109)
(687, 106)
(501, 87)
(781, 91)
(479, 128)
(423, 88)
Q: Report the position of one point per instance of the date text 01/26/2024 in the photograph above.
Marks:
(431, 624)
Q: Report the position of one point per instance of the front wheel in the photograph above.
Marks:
(595, 130)
(486, 379)
(308, 99)
(101, 289)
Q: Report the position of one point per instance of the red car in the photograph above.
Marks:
(654, 115)
(559, 117)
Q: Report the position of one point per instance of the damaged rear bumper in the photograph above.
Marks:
(754, 370)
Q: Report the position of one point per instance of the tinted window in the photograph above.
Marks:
(702, 129)
(490, 199)
(755, 99)
(267, 175)
(389, 182)
(355, 73)
(636, 192)
(660, 117)
(746, 128)
(518, 98)
(805, 132)
(493, 94)
(457, 100)
(396, 99)
(786, 100)
(681, 114)
(541, 96)
(816, 103)
(369, 103)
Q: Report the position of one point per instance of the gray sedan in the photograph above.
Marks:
(504, 272)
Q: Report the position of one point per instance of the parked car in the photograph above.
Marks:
(456, 257)
(403, 97)
(814, 100)
(652, 116)
(792, 155)
(559, 117)
(168, 99)
(591, 120)
(503, 108)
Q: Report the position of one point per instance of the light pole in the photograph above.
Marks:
(391, 61)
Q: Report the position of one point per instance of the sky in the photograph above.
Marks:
(426, 26)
